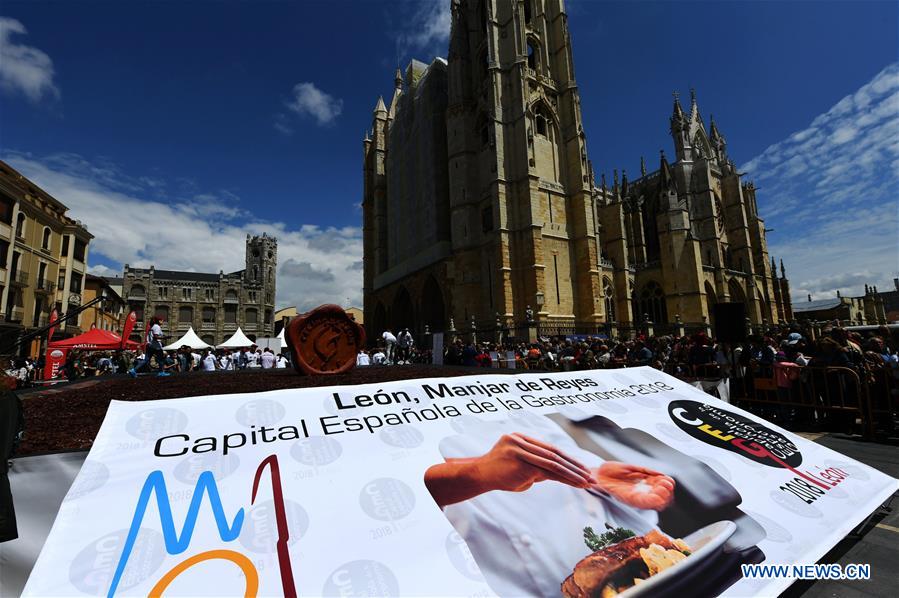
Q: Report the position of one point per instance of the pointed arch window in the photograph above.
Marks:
(652, 303)
(542, 121)
(527, 12)
(609, 296)
(532, 56)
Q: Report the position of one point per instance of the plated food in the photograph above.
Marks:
(621, 560)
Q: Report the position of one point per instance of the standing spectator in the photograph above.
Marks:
(268, 359)
(225, 361)
(242, 359)
(362, 359)
(154, 349)
(404, 341)
(281, 362)
(390, 341)
(210, 364)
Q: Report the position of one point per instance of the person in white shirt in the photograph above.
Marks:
(210, 363)
(404, 342)
(195, 360)
(520, 492)
(267, 359)
(252, 359)
(362, 359)
(226, 362)
(154, 348)
(281, 362)
(390, 341)
(378, 358)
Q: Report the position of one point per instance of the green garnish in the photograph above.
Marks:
(597, 542)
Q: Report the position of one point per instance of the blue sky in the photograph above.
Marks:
(173, 129)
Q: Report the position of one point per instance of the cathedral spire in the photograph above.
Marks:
(694, 107)
(642, 167)
(678, 112)
(398, 79)
(623, 183)
(666, 180)
(783, 272)
(615, 183)
(380, 107)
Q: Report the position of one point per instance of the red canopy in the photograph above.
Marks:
(93, 340)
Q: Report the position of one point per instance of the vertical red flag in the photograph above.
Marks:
(54, 315)
(129, 326)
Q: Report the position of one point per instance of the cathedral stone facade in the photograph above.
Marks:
(214, 304)
(481, 207)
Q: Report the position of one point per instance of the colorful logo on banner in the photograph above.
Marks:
(176, 543)
(756, 442)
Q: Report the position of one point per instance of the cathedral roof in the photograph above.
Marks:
(817, 304)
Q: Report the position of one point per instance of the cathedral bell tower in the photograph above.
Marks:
(522, 225)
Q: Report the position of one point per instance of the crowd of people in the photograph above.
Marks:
(694, 355)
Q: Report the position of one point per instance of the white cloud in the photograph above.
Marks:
(202, 232)
(309, 100)
(829, 191)
(427, 28)
(24, 69)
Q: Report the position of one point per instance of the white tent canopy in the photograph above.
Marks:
(281, 336)
(190, 339)
(237, 340)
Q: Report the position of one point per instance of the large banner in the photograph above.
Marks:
(576, 484)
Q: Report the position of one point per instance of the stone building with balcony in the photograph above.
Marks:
(108, 315)
(43, 259)
(214, 304)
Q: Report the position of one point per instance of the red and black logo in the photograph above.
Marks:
(734, 432)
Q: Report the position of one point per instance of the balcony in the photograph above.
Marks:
(45, 286)
(19, 278)
(207, 326)
(16, 314)
(248, 326)
(229, 326)
(137, 297)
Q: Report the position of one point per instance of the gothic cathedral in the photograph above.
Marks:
(480, 204)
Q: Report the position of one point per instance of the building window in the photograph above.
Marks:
(487, 219)
(163, 292)
(162, 312)
(137, 291)
(230, 314)
(4, 252)
(185, 314)
(255, 272)
(45, 242)
(532, 57)
(186, 294)
(75, 283)
(652, 304)
(210, 294)
(209, 315)
(6, 208)
(231, 295)
(20, 225)
(252, 296)
(65, 246)
(268, 316)
(251, 316)
(80, 250)
(609, 295)
(542, 120)
(61, 281)
(527, 12)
